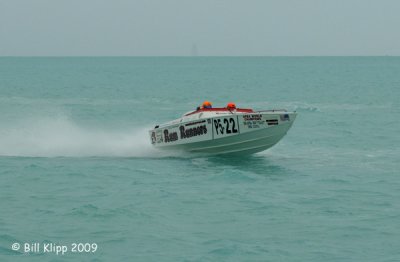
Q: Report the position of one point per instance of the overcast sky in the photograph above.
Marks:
(212, 27)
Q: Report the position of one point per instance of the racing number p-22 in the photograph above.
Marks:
(225, 126)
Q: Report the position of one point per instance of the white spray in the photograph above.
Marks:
(52, 137)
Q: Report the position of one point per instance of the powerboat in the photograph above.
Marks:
(227, 130)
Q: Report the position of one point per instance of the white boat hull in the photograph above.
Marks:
(225, 134)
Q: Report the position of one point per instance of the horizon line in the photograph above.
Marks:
(187, 56)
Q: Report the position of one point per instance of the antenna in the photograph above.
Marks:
(194, 50)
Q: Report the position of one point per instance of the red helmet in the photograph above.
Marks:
(231, 105)
(207, 104)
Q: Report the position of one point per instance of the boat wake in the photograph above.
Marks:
(61, 137)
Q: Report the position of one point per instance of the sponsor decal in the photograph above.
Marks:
(184, 133)
(194, 131)
(253, 121)
(272, 121)
(253, 124)
(170, 137)
(252, 117)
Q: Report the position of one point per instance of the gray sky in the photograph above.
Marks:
(213, 27)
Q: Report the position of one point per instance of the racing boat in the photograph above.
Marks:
(227, 130)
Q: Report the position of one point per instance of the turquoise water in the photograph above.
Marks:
(76, 165)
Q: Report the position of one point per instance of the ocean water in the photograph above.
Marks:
(76, 165)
